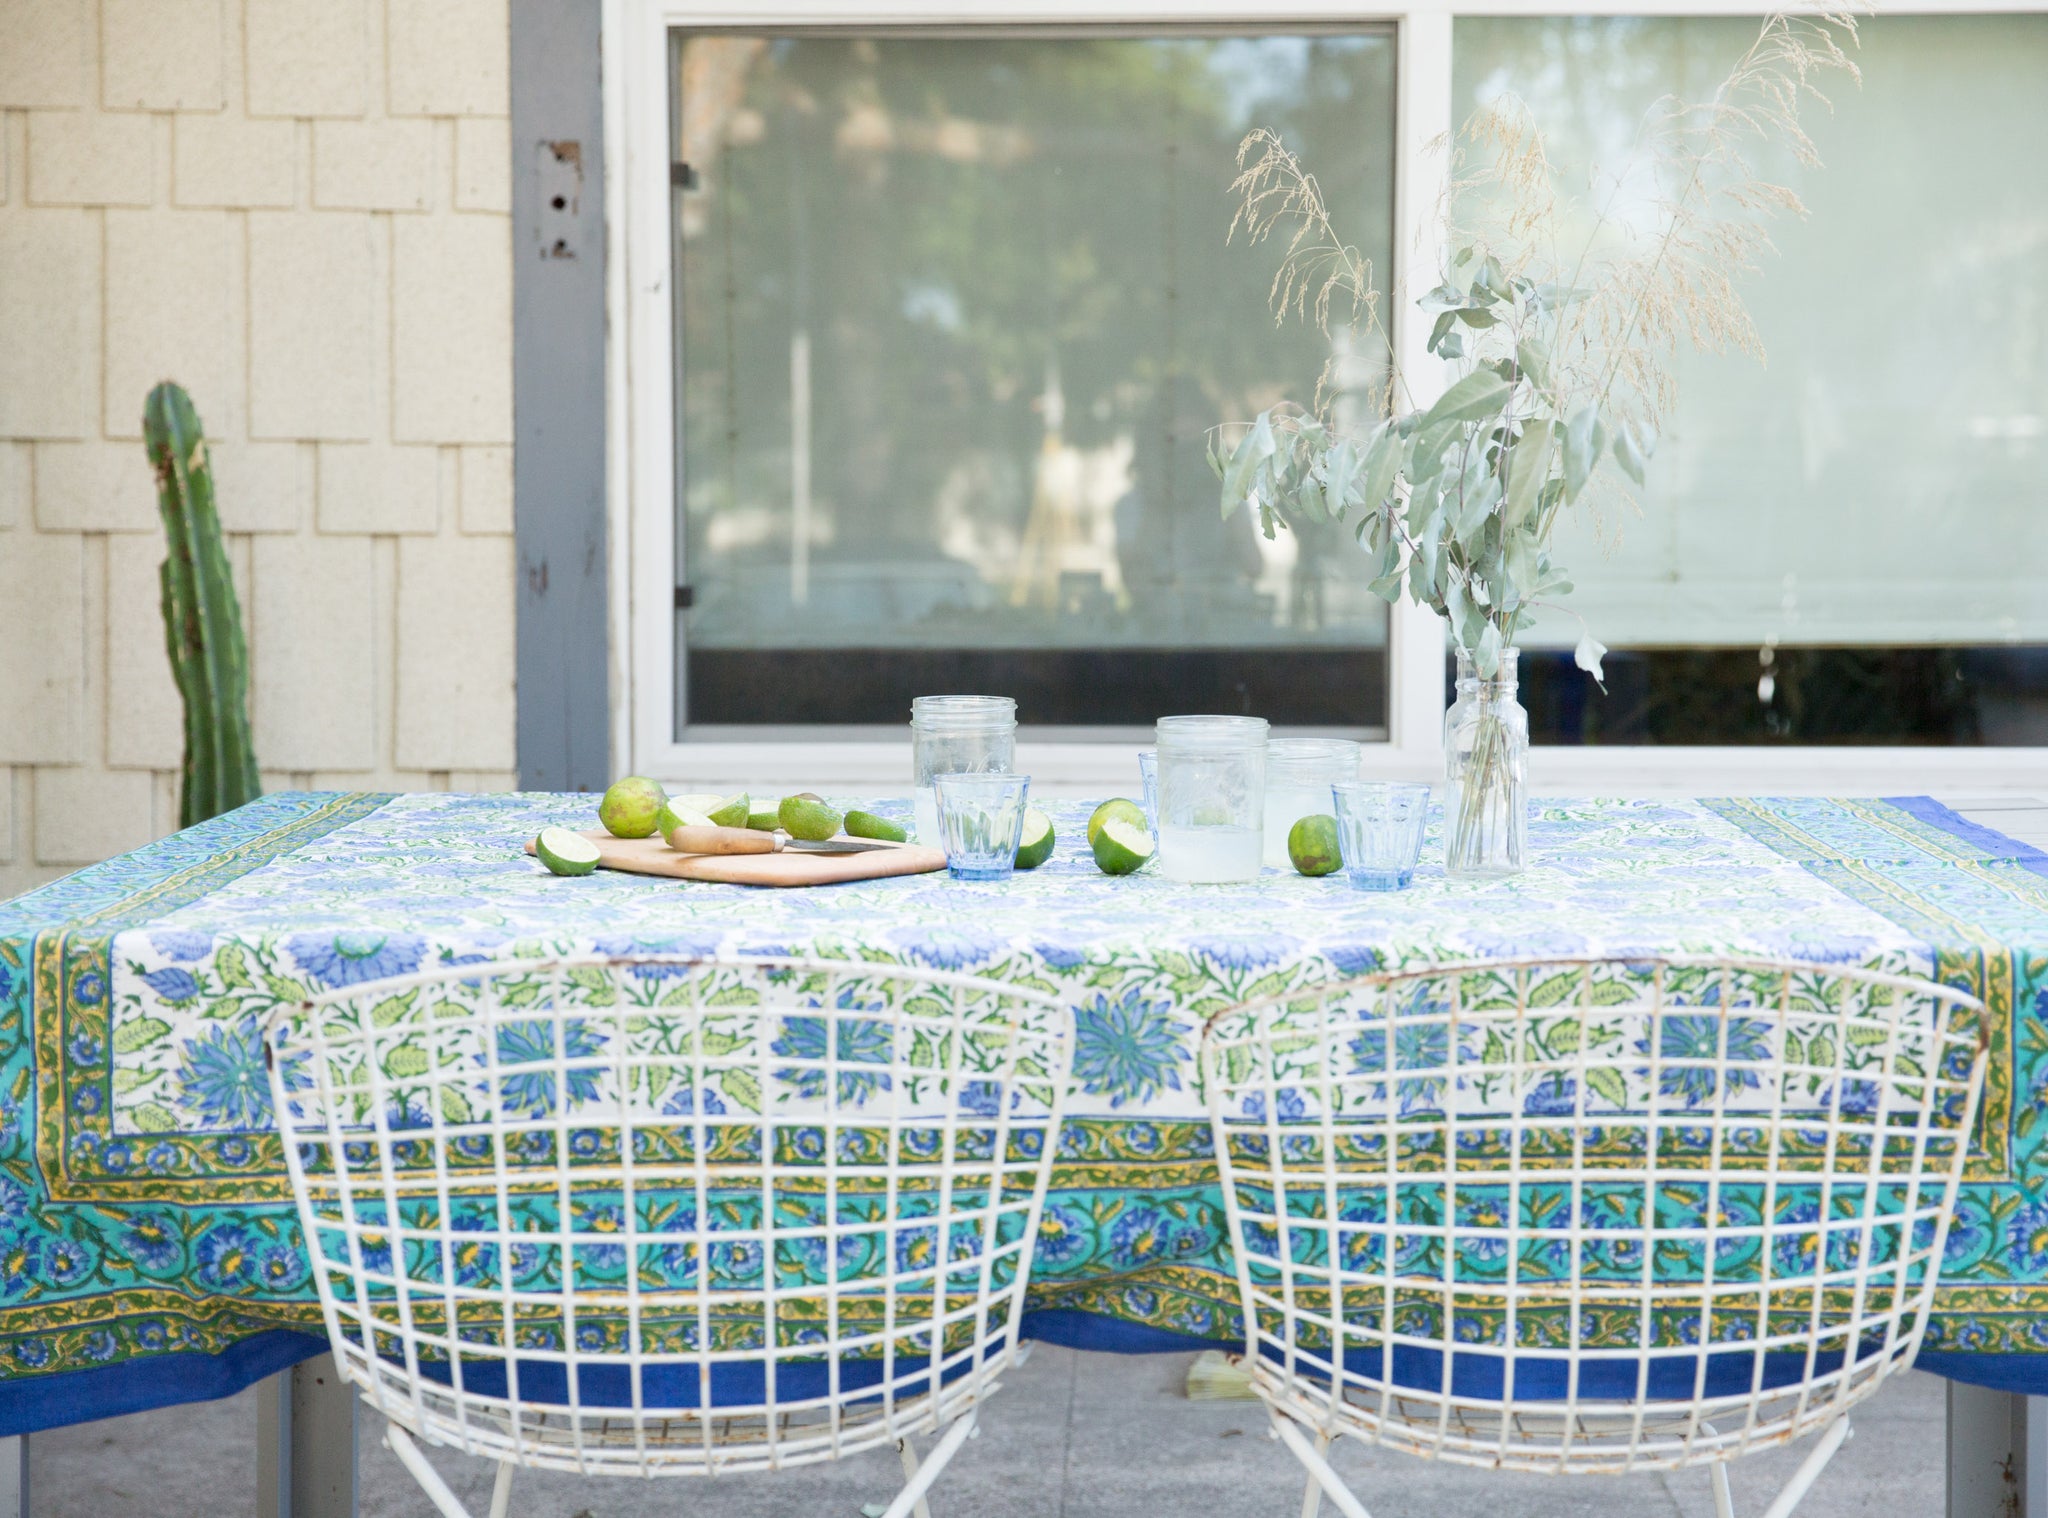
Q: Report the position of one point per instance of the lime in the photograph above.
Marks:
(1312, 845)
(564, 852)
(868, 825)
(1036, 846)
(630, 807)
(807, 818)
(1121, 848)
(730, 813)
(698, 803)
(763, 821)
(1118, 810)
(676, 815)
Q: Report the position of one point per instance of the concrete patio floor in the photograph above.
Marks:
(1071, 1436)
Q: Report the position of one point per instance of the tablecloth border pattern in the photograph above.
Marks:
(73, 970)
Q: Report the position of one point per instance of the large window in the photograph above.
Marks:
(1848, 544)
(923, 323)
(955, 315)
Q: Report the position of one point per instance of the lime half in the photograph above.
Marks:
(807, 818)
(1119, 810)
(564, 852)
(1121, 848)
(1036, 845)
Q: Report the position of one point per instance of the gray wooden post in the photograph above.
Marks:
(305, 1443)
(1997, 1454)
(14, 1477)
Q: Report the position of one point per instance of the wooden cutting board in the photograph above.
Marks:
(651, 856)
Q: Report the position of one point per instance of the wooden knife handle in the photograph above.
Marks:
(717, 840)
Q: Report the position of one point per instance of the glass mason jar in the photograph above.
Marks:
(1212, 797)
(1486, 760)
(957, 735)
(1299, 774)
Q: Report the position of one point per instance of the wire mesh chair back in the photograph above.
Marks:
(1590, 1215)
(664, 1215)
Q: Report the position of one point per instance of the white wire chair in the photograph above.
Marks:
(1591, 1215)
(664, 1216)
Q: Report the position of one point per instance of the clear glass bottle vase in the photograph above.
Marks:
(1486, 760)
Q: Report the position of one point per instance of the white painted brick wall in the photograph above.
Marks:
(299, 209)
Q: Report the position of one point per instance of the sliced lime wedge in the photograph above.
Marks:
(868, 825)
(729, 813)
(1119, 810)
(564, 852)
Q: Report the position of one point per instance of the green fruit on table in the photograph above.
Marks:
(868, 825)
(630, 807)
(1121, 848)
(673, 817)
(807, 818)
(733, 812)
(564, 852)
(697, 802)
(1035, 846)
(1312, 845)
(763, 821)
(1118, 810)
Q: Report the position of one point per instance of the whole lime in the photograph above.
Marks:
(805, 816)
(630, 807)
(1312, 845)
(1118, 810)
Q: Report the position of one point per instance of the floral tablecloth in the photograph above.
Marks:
(148, 1247)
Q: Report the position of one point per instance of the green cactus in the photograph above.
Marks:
(202, 619)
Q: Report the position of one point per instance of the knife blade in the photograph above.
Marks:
(835, 846)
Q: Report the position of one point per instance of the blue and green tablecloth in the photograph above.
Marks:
(149, 1251)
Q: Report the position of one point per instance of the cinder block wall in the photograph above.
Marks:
(299, 209)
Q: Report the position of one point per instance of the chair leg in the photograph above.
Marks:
(1319, 1471)
(1724, 1499)
(501, 1492)
(924, 1472)
(1312, 1494)
(399, 1442)
(1831, 1439)
(908, 1451)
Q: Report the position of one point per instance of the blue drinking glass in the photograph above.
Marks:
(1379, 831)
(981, 821)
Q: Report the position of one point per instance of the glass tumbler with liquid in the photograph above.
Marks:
(1299, 774)
(1212, 797)
(957, 735)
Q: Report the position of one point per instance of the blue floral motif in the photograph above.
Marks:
(1141, 1233)
(226, 1256)
(173, 985)
(1352, 958)
(530, 1092)
(1063, 1235)
(89, 989)
(981, 1098)
(1289, 1107)
(33, 1353)
(280, 1266)
(349, 959)
(153, 1243)
(66, 1262)
(1698, 1036)
(1420, 1046)
(1128, 1050)
(1244, 951)
(86, 1049)
(860, 1040)
(181, 945)
(21, 1263)
(2026, 1238)
(223, 1077)
(949, 947)
(15, 1203)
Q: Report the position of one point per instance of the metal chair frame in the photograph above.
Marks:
(1577, 1174)
(563, 1212)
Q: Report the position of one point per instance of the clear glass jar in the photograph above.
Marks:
(1486, 760)
(1299, 774)
(957, 735)
(1212, 797)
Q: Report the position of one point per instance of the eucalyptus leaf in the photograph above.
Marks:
(1442, 298)
(1476, 505)
(1478, 394)
(1450, 345)
(1581, 453)
(1528, 468)
(1628, 453)
(1534, 359)
(1475, 317)
(1442, 330)
(1382, 462)
(1253, 449)
(1587, 656)
(1486, 653)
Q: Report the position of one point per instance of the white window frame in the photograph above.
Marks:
(640, 425)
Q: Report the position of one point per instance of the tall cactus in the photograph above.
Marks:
(202, 619)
